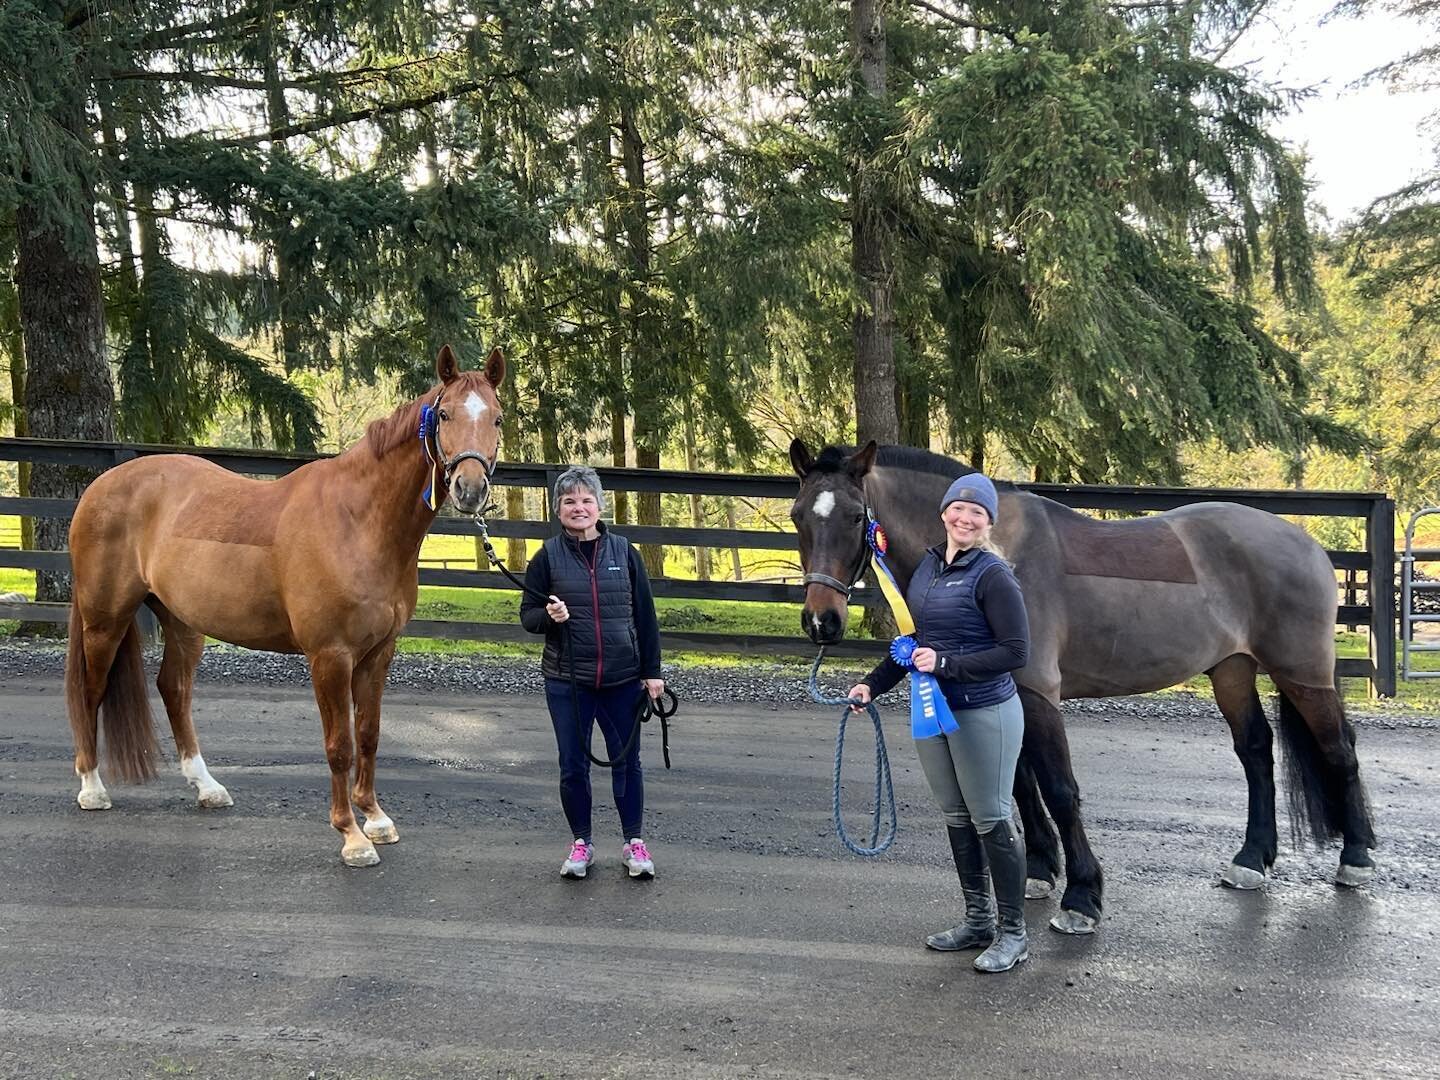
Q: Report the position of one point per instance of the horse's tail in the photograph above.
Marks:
(82, 724)
(131, 749)
(1315, 789)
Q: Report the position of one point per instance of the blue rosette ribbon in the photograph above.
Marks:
(902, 651)
(930, 713)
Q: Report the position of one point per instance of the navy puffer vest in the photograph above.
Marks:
(948, 620)
(602, 648)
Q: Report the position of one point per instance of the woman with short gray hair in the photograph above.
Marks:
(600, 600)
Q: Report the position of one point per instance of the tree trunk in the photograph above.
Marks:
(618, 456)
(166, 410)
(287, 277)
(697, 512)
(68, 393)
(15, 349)
(872, 240)
(645, 358)
(737, 569)
(912, 401)
(614, 308)
(545, 418)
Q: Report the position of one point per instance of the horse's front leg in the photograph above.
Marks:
(330, 672)
(1049, 752)
(366, 686)
(1042, 847)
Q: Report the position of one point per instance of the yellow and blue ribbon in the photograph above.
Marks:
(929, 711)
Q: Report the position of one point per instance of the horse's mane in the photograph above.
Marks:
(832, 459)
(400, 427)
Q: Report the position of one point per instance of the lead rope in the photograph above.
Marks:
(884, 784)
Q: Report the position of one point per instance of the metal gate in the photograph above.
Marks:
(1411, 593)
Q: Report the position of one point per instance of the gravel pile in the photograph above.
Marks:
(767, 684)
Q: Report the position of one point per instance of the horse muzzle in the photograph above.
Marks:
(823, 626)
(469, 494)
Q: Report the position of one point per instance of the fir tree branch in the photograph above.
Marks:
(172, 36)
(389, 108)
(217, 78)
(961, 21)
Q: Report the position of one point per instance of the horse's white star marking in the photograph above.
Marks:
(824, 503)
(475, 405)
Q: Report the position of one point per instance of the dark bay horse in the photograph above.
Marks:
(323, 561)
(1123, 607)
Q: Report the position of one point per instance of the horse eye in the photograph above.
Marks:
(859, 518)
(498, 421)
(444, 415)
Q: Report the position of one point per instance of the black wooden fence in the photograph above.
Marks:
(1377, 561)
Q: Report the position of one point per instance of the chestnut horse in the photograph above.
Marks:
(323, 561)
(1122, 607)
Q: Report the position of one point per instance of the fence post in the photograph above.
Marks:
(1380, 542)
(551, 476)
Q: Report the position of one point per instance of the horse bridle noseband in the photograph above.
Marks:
(835, 583)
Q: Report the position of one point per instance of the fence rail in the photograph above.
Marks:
(1376, 561)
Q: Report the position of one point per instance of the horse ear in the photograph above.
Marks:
(800, 457)
(495, 367)
(447, 368)
(863, 460)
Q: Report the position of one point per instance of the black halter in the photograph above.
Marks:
(835, 583)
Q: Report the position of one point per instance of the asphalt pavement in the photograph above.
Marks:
(157, 939)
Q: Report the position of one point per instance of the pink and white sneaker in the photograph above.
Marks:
(636, 858)
(579, 860)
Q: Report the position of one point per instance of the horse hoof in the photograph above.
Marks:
(382, 831)
(1241, 877)
(1352, 877)
(214, 798)
(1038, 888)
(360, 856)
(1073, 922)
(93, 800)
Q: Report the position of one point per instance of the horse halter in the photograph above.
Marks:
(430, 440)
(835, 583)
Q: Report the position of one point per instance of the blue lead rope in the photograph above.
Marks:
(884, 785)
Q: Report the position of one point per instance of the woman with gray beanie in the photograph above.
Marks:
(972, 632)
(599, 591)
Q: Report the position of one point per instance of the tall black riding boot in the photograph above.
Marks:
(978, 929)
(1006, 853)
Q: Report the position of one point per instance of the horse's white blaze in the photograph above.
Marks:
(93, 795)
(475, 405)
(211, 791)
(824, 503)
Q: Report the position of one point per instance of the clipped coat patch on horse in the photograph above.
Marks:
(1142, 549)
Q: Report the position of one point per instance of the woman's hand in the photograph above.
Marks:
(924, 659)
(654, 687)
(862, 692)
(557, 610)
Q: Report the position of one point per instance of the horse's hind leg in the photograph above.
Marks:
(176, 683)
(1325, 788)
(366, 687)
(1049, 754)
(105, 681)
(90, 653)
(1042, 847)
(1233, 680)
